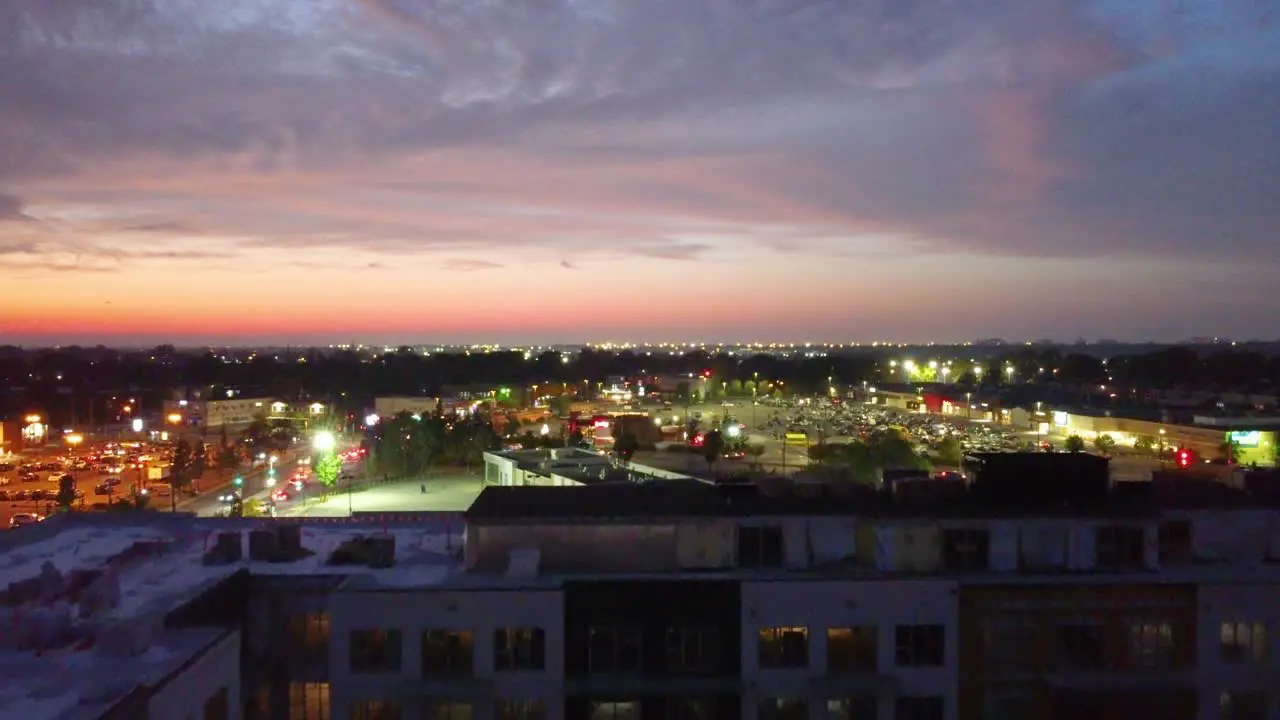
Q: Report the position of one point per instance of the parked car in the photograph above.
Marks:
(28, 476)
(103, 489)
(22, 519)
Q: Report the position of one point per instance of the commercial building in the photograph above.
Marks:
(390, 406)
(686, 600)
(570, 467)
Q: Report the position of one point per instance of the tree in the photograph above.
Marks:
(199, 461)
(1145, 444)
(66, 492)
(562, 405)
(251, 508)
(228, 458)
(1075, 444)
(1104, 443)
(181, 464)
(327, 469)
(626, 446)
(949, 451)
(712, 447)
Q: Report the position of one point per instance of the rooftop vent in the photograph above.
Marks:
(376, 552)
(227, 549)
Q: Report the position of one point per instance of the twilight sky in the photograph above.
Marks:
(560, 170)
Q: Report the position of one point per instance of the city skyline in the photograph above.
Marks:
(388, 171)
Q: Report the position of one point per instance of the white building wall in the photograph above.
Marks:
(480, 611)
(1217, 674)
(819, 605)
(184, 696)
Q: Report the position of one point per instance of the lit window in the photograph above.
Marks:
(308, 701)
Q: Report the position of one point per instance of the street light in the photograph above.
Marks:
(324, 441)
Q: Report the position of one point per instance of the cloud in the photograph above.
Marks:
(468, 265)
(651, 129)
(11, 208)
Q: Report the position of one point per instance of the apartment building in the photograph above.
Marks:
(675, 599)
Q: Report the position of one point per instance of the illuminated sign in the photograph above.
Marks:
(1245, 438)
(1059, 418)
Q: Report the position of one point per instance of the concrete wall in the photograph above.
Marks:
(611, 548)
(183, 696)
(819, 605)
(413, 611)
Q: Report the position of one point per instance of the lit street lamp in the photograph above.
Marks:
(324, 441)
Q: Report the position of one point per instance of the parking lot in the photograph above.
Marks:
(100, 470)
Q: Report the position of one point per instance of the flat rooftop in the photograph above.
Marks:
(73, 586)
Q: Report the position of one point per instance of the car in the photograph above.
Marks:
(22, 519)
(19, 495)
(279, 496)
(4, 495)
(734, 455)
(229, 498)
(112, 480)
(103, 489)
(4, 480)
(28, 476)
(38, 495)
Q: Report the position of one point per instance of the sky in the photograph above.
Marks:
(638, 170)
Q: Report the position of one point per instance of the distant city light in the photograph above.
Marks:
(137, 424)
(371, 419)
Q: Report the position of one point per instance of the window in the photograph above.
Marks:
(784, 648)
(448, 711)
(919, 646)
(1008, 641)
(448, 652)
(760, 547)
(1120, 547)
(1150, 643)
(519, 649)
(520, 710)
(308, 701)
(615, 710)
(1251, 705)
(693, 649)
(614, 650)
(216, 707)
(375, 651)
(375, 710)
(783, 709)
(1244, 642)
(852, 648)
(855, 708)
(966, 549)
(690, 708)
(309, 637)
(918, 708)
(1174, 540)
(1080, 645)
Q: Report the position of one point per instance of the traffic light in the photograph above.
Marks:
(238, 481)
(1184, 458)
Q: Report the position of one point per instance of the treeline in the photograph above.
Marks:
(79, 384)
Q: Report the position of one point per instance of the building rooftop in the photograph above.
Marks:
(88, 594)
